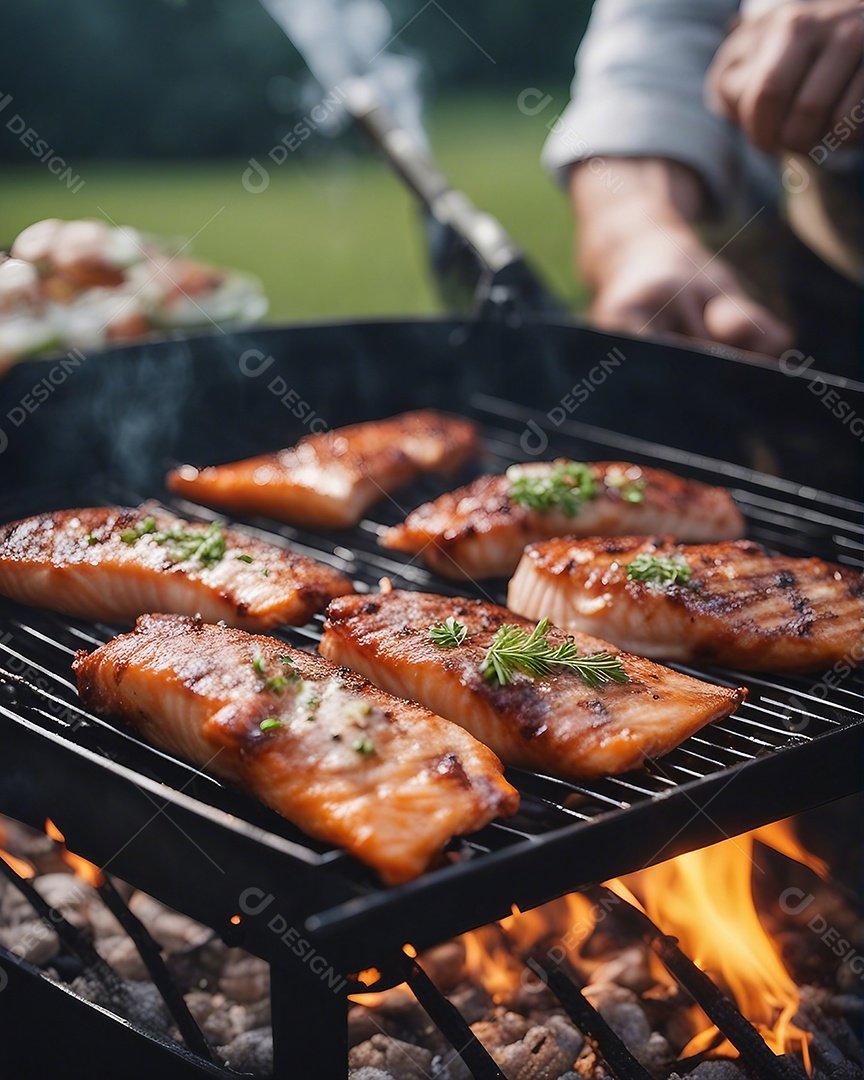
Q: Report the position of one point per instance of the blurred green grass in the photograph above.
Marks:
(335, 234)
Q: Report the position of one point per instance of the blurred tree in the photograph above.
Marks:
(206, 78)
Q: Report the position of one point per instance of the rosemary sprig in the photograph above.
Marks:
(449, 634)
(659, 570)
(566, 487)
(514, 649)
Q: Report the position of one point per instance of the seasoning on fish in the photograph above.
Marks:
(480, 530)
(114, 564)
(572, 707)
(731, 603)
(331, 480)
(386, 780)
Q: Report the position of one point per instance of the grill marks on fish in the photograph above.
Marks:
(556, 725)
(385, 779)
(479, 531)
(331, 480)
(76, 562)
(743, 607)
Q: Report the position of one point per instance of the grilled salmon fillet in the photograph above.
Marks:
(740, 606)
(331, 480)
(115, 564)
(386, 780)
(557, 724)
(480, 530)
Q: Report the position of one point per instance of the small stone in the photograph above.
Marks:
(121, 954)
(630, 968)
(246, 980)
(713, 1070)
(445, 965)
(402, 1060)
(32, 941)
(250, 1052)
(544, 1053)
(501, 1029)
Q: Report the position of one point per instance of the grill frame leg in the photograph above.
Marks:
(310, 1025)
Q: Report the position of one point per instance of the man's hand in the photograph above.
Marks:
(649, 271)
(788, 76)
(664, 284)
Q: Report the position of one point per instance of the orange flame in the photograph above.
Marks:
(80, 866)
(493, 953)
(22, 867)
(781, 836)
(705, 898)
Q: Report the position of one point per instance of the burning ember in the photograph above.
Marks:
(735, 908)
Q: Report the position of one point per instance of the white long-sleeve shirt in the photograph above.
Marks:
(639, 92)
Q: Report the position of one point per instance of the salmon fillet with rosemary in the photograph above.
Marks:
(331, 480)
(733, 603)
(589, 710)
(115, 564)
(386, 780)
(480, 530)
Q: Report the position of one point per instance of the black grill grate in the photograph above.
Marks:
(792, 744)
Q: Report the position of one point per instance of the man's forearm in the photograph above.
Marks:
(648, 193)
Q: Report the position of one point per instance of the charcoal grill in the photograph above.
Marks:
(110, 429)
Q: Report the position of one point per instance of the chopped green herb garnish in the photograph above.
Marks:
(659, 570)
(91, 540)
(363, 746)
(258, 664)
(147, 526)
(632, 491)
(279, 683)
(244, 558)
(566, 486)
(270, 724)
(514, 649)
(448, 634)
(265, 572)
(207, 545)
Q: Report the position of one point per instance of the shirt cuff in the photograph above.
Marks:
(624, 126)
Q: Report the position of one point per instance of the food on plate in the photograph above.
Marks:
(330, 480)
(480, 530)
(111, 563)
(569, 706)
(386, 780)
(89, 283)
(730, 603)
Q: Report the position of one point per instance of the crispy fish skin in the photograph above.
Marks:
(386, 780)
(743, 607)
(557, 725)
(76, 562)
(331, 480)
(478, 531)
